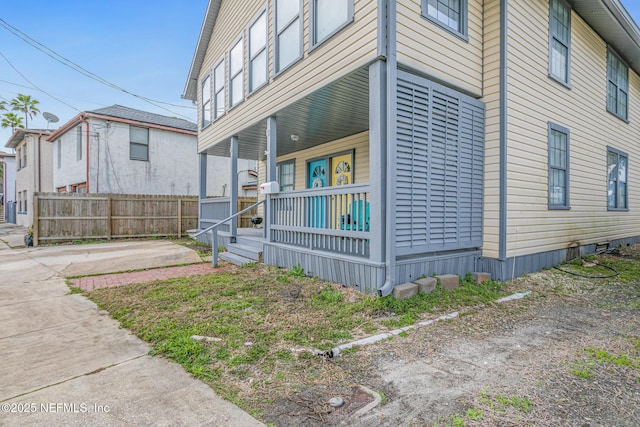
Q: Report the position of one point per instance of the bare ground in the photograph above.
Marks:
(527, 362)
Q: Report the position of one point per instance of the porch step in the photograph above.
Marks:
(252, 252)
(235, 259)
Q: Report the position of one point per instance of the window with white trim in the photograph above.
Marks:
(139, 145)
(288, 35)
(329, 16)
(617, 86)
(258, 55)
(558, 167)
(236, 73)
(218, 90)
(206, 102)
(450, 14)
(617, 171)
(286, 175)
(559, 40)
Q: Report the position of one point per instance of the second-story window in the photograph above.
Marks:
(79, 143)
(236, 74)
(450, 14)
(206, 102)
(559, 40)
(218, 90)
(59, 154)
(617, 86)
(139, 145)
(328, 16)
(288, 33)
(24, 156)
(258, 52)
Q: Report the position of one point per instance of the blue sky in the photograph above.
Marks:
(143, 46)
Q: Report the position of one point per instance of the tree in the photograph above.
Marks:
(11, 120)
(3, 105)
(25, 104)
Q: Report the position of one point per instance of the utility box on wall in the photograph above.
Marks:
(270, 188)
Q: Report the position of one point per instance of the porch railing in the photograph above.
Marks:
(334, 219)
(214, 230)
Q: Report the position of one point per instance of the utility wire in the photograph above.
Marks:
(35, 86)
(58, 57)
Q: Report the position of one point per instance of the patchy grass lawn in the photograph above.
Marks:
(263, 325)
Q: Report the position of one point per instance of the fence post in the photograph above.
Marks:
(109, 232)
(35, 221)
(179, 218)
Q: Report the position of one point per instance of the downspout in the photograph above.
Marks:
(504, 18)
(392, 69)
(83, 119)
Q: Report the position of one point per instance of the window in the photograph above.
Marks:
(79, 143)
(617, 163)
(62, 189)
(286, 175)
(19, 156)
(26, 201)
(450, 14)
(288, 33)
(206, 102)
(79, 188)
(24, 156)
(558, 167)
(329, 16)
(236, 74)
(59, 153)
(258, 52)
(139, 145)
(617, 85)
(218, 90)
(559, 40)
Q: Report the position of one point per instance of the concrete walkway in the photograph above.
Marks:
(63, 362)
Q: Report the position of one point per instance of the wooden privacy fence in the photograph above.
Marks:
(71, 216)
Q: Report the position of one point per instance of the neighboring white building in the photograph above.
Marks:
(7, 185)
(33, 169)
(127, 151)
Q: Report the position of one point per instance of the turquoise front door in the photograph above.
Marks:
(317, 173)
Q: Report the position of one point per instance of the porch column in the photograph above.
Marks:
(377, 159)
(233, 194)
(271, 171)
(202, 186)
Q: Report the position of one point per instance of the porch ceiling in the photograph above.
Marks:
(337, 110)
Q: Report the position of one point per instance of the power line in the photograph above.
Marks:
(67, 62)
(35, 86)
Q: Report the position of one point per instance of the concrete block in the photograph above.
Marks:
(480, 278)
(404, 291)
(449, 281)
(426, 285)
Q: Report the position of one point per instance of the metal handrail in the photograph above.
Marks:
(214, 231)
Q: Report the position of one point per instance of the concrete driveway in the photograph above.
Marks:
(65, 362)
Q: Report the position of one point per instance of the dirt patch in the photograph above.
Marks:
(567, 354)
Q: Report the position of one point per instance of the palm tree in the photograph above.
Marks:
(3, 105)
(11, 120)
(27, 105)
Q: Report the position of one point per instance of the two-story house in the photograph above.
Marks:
(33, 169)
(123, 150)
(417, 137)
(8, 187)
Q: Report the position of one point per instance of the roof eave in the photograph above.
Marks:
(19, 134)
(612, 22)
(191, 87)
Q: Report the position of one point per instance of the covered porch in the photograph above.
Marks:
(326, 153)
